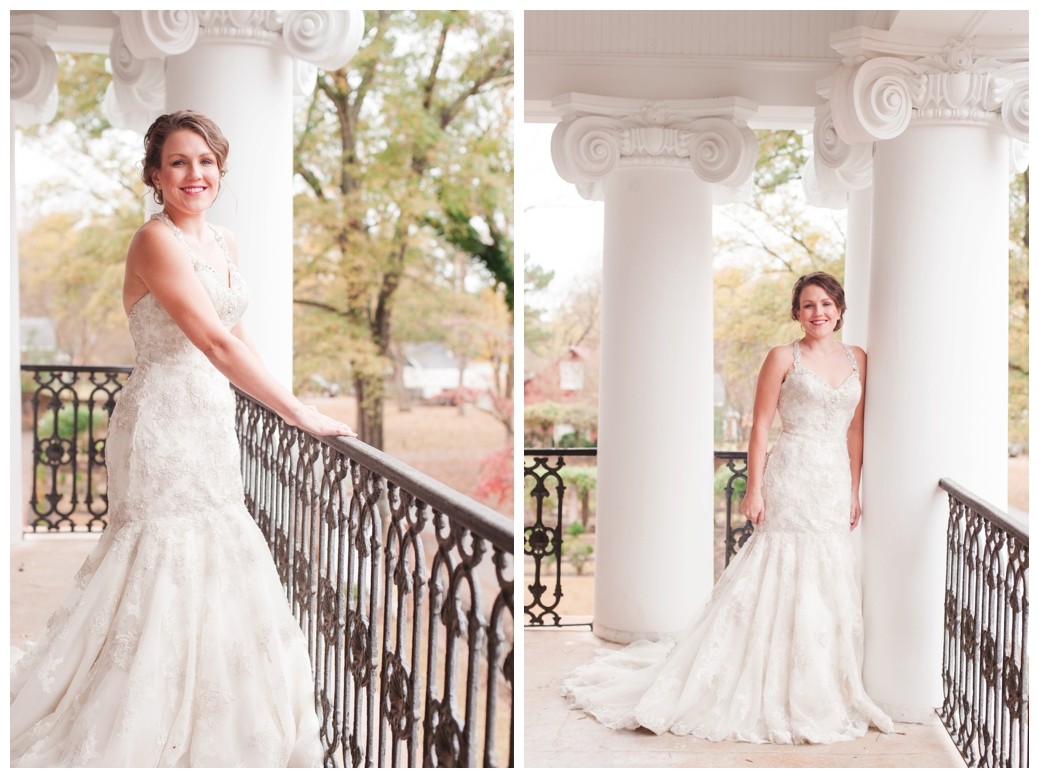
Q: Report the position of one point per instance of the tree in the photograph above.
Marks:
(537, 332)
(1018, 323)
(76, 225)
(404, 153)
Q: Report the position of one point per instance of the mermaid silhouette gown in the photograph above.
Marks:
(776, 653)
(176, 646)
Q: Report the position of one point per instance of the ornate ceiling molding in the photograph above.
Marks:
(599, 135)
(877, 98)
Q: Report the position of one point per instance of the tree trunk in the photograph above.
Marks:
(369, 390)
(463, 362)
(403, 397)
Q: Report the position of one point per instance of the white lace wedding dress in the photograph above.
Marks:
(176, 647)
(776, 653)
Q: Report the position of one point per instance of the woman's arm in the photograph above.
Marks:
(766, 400)
(155, 257)
(855, 435)
(238, 330)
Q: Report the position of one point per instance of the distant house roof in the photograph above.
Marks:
(37, 332)
(429, 356)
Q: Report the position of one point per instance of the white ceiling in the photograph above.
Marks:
(773, 58)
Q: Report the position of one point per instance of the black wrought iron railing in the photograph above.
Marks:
(404, 589)
(547, 545)
(543, 532)
(67, 409)
(985, 657)
(403, 586)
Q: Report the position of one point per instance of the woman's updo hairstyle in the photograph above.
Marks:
(828, 284)
(166, 125)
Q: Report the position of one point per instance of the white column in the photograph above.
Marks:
(840, 175)
(34, 100)
(256, 195)
(238, 68)
(937, 394)
(655, 165)
(856, 266)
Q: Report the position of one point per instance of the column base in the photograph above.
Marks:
(625, 636)
(909, 714)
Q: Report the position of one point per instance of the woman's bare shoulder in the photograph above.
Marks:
(150, 232)
(781, 355)
(153, 248)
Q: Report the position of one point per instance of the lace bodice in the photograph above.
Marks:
(807, 479)
(810, 406)
(157, 337)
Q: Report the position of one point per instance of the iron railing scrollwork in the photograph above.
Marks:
(70, 408)
(543, 541)
(985, 654)
(737, 530)
(404, 589)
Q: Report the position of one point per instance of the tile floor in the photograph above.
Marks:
(555, 736)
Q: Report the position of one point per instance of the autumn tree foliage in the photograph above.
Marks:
(405, 164)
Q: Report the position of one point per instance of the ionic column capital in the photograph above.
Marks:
(137, 92)
(327, 39)
(874, 96)
(836, 168)
(34, 70)
(598, 135)
(144, 39)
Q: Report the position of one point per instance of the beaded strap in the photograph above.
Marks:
(161, 216)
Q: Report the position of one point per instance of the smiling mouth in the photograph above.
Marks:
(193, 189)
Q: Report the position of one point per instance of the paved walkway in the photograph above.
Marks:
(555, 736)
(42, 569)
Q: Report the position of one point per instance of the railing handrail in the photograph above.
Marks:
(590, 451)
(566, 452)
(485, 521)
(997, 516)
(66, 367)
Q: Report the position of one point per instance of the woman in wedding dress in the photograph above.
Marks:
(775, 656)
(176, 646)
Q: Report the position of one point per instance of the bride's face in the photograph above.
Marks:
(189, 175)
(817, 312)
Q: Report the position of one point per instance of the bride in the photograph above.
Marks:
(775, 656)
(176, 646)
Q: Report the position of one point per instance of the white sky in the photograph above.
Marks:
(559, 229)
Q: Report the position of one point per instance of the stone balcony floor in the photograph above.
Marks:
(555, 736)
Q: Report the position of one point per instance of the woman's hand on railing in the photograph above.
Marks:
(310, 419)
